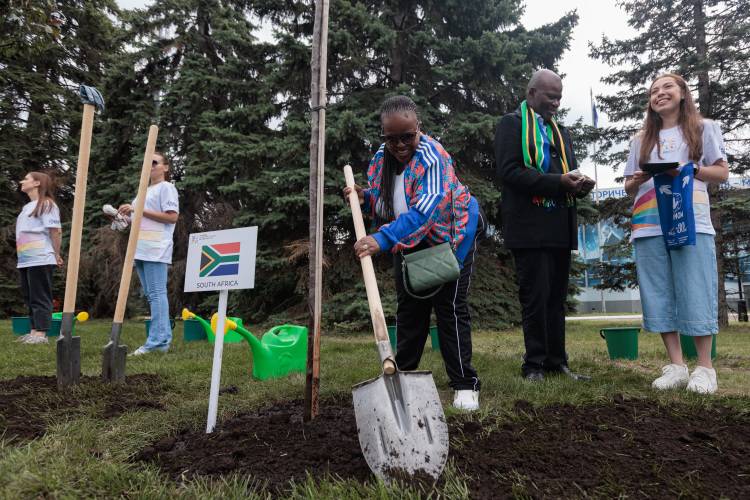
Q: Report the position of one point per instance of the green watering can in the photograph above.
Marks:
(282, 349)
(81, 316)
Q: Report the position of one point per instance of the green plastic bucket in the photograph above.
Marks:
(434, 338)
(194, 330)
(688, 347)
(622, 343)
(22, 326)
(148, 325)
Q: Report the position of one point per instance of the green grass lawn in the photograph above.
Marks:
(62, 465)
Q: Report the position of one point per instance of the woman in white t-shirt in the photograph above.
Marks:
(38, 237)
(154, 251)
(679, 288)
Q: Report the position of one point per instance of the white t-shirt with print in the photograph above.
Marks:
(33, 243)
(155, 238)
(673, 149)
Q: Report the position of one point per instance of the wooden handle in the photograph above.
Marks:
(79, 203)
(371, 284)
(127, 267)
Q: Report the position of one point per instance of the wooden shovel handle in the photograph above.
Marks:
(79, 203)
(371, 284)
(127, 267)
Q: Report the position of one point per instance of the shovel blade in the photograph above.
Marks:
(401, 424)
(113, 365)
(68, 361)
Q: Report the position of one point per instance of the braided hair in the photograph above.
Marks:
(391, 106)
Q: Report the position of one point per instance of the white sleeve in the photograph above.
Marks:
(635, 152)
(168, 198)
(713, 143)
(52, 218)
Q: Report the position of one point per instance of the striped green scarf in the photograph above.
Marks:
(536, 149)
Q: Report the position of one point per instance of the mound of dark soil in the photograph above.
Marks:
(632, 448)
(28, 404)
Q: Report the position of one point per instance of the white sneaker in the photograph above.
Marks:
(139, 351)
(23, 337)
(466, 400)
(703, 380)
(119, 222)
(33, 339)
(672, 376)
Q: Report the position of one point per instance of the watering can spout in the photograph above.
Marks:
(259, 350)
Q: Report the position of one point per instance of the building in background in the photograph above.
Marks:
(629, 300)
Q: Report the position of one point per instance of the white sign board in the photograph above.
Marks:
(221, 260)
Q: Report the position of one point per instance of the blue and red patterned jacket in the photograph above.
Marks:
(429, 179)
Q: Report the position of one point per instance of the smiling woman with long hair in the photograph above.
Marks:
(415, 198)
(679, 287)
(38, 237)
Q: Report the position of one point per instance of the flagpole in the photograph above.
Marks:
(596, 200)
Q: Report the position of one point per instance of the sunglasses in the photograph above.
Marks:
(393, 140)
(155, 162)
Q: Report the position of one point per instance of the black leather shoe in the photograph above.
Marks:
(566, 370)
(534, 377)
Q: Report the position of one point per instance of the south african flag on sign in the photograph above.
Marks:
(222, 259)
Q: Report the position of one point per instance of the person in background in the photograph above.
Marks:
(154, 251)
(540, 182)
(414, 193)
(679, 288)
(38, 238)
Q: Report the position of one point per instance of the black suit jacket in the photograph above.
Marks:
(526, 224)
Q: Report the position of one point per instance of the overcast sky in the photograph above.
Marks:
(581, 72)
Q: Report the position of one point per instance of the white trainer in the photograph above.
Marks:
(119, 222)
(672, 376)
(34, 339)
(703, 380)
(466, 399)
(140, 351)
(23, 337)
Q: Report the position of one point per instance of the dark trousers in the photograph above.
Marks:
(543, 287)
(453, 320)
(36, 288)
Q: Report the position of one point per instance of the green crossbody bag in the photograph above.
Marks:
(431, 267)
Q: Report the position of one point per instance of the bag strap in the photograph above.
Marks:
(403, 260)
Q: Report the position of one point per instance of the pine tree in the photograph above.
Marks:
(40, 118)
(705, 42)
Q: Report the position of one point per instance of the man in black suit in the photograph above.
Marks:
(539, 183)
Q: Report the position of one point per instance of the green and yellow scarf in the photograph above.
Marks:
(536, 148)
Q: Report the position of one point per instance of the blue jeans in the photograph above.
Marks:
(680, 287)
(153, 277)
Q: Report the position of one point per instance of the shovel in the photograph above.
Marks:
(400, 420)
(68, 346)
(113, 364)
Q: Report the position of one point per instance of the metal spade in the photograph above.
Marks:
(400, 419)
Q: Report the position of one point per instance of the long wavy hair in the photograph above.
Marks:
(46, 192)
(391, 106)
(689, 122)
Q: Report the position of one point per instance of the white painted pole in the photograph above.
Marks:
(213, 398)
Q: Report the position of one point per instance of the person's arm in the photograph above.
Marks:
(718, 172)
(634, 182)
(168, 217)
(55, 234)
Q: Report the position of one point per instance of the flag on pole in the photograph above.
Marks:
(594, 116)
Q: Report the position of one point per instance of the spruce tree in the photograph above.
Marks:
(40, 119)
